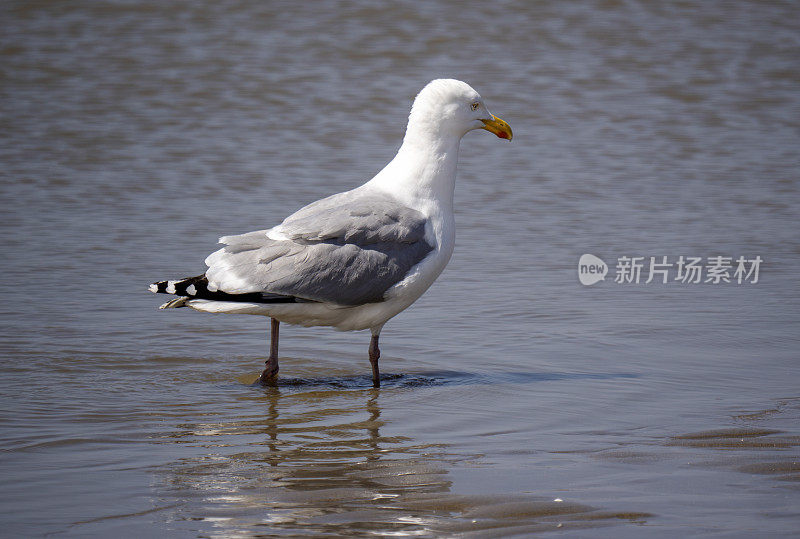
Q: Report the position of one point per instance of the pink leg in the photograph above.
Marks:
(374, 354)
(270, 374)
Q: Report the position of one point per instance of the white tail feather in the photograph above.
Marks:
(175, 303)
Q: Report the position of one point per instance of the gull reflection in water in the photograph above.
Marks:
(315, 459)
(316, 456)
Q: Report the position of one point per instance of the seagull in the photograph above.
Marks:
(355, 259)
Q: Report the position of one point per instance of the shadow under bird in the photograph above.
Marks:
(355, 259)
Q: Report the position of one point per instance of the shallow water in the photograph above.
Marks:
(515, 400)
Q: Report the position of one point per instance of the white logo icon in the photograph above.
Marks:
(591, 269)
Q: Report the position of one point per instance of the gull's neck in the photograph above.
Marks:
(423, 173)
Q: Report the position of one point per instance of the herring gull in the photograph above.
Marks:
(355, 259)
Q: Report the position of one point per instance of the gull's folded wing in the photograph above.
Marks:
(346, 249)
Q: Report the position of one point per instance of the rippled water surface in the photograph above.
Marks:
(515, 400)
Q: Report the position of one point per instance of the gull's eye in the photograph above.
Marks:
(474, 106)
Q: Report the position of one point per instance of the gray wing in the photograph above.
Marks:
(346, 249)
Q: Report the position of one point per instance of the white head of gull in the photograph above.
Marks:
(355, 259)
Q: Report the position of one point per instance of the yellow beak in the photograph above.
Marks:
(498, 127)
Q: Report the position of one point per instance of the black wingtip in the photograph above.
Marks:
(197, 288)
